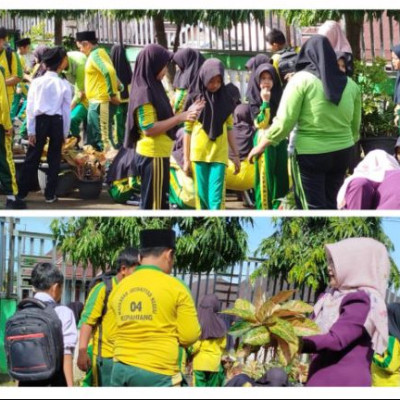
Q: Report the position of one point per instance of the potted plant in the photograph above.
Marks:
(377, 121)
(274, 324)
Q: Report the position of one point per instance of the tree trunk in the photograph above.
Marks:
(353, 31)
(162, 41)
(121, 35)
(58, 34)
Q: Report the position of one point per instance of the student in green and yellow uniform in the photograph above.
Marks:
(326, 107)
(75, 74)
(7, 166)
(189, 62)
(11, 64)
(21, 94)
(155, 315)
(124, 73)
(207, 140)
(98, 321)
(101, 85)
(386, 368)
(151, 125)
(208, 351)
(272, 180)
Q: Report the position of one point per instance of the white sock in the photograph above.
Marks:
(11, 197)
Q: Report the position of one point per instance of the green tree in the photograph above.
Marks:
(203, 245)
(296, 249)
(220, 19)
(58, 15)
(354, 20)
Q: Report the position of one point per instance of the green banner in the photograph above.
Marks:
(7, 310)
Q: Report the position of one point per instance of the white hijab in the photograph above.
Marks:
(373, 167)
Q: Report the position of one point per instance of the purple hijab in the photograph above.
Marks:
(254, 91)
(212, 325)
(256, 61)
(38, 55)
(219, 105)
(145, 88)
(189, 62)
(243, 130)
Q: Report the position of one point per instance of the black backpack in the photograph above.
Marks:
(107, 279)
(287, 63)
(34, 342)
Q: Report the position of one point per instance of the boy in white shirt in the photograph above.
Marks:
(48, 116)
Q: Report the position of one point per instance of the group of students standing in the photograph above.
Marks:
(140, 328)
(318, 106)
(44, 104)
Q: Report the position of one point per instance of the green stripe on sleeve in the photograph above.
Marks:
(104, 70)
(19, 71)
(146, 116)
(91, 302)
(385, 361)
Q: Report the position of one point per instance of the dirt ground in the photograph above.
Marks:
(35, 201)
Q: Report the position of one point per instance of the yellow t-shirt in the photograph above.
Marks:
(159, 146)
(16, 71)
(5, 119)
(386, 368)
(100, 77)
(202, 149)
(208, 354)
(91, 315)
(155, 314)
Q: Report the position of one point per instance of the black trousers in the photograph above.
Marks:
(47, 126)
(154, 175)
(322, 176)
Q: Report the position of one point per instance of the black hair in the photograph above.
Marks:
(276, 36)
(45, 275)
(127, 258)
(3, 33)
(54, 67)
(153, 251)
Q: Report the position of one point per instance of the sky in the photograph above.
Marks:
(263, 228)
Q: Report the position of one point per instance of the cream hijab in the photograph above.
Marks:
(373, 167)
(333, 31)
(359, 264)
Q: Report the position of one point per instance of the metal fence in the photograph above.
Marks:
(378, 36)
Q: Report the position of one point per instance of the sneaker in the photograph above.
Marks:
(133, 201)
(51, 200)
(16, 204)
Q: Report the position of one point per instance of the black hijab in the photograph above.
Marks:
(145, 88)
(254, 91)
(122, 67)
(189, 62)
(396, 50)
(275, 377)
(234, 93)
(218, 106)
(177, 152)
(243, 130)
(318, 57)
(394, 320)
(256, 61)
(252, 65)
(212, 325)
(123, 166)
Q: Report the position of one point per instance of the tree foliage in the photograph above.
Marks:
(203, 245)
(296, 249)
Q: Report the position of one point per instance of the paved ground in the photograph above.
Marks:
(35, 201)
